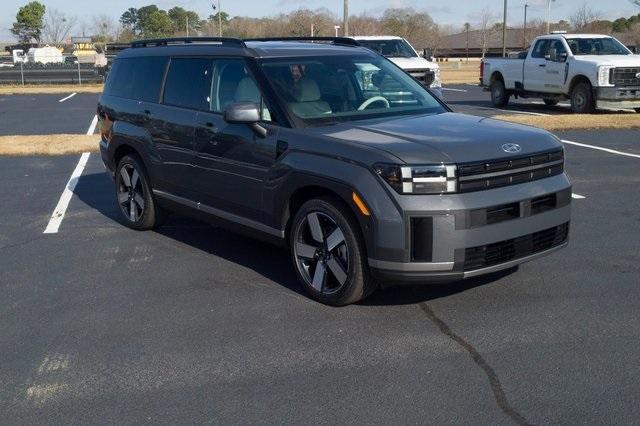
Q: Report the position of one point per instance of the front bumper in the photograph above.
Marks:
(618, 97)
(451, 237)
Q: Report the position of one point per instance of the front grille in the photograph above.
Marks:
(424, 76)
(626, 76)
(496, 173)
(516, 248)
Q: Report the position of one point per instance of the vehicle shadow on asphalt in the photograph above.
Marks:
(270, 261)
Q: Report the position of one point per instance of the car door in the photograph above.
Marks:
(173, 122)
(557, 67)
(535, 67)
(232, 160)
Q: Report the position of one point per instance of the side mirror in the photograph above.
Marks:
(245, 113)
(547, 57)
(563, 57)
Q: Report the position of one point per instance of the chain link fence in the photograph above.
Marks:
(50, 70)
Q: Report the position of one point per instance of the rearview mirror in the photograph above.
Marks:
(245, 113)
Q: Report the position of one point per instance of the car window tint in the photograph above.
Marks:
(188, 83)
(232, 83)
(136, 78)
(540, 49)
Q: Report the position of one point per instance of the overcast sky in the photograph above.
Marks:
(454, 12)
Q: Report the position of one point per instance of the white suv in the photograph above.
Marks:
(401, 53)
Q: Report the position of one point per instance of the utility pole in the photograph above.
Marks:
(504, 31)
(466, 27)
(548, 16)
(187, 26)
(219, 19)
(312, 30)
(345, 18)
(336, 27)
(524, 29)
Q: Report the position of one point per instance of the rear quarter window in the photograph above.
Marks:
(136, 78)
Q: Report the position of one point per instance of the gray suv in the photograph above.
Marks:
(332, 150)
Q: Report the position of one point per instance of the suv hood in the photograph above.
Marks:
(444, 138)
(617, 60)
(413, 63)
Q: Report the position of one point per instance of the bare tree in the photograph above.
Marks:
(487, 30)
(364, 25)
(105, 28)
(57, 26)
(584, 17)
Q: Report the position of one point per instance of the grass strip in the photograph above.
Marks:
(575, 121)
(30, 89)
(23, 145)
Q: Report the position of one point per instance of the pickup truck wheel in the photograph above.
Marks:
(637, 110)
(328, 253)
(499, 95)
(134, 195)
(550, 102)
(582, 101)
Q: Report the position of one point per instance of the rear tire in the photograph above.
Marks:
(637, 110)
(134, 195)
(582, 101)
(551, 102)
(328, 253)
(499, 95)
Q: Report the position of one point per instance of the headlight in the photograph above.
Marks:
(604, 75)
(436, 78)
(429, 179)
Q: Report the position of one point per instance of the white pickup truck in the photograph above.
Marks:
(591, 70)
(401, 53)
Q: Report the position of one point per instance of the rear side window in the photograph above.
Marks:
(136, 78)
(188, 83)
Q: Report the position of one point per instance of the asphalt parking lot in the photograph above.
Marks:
(191, 323)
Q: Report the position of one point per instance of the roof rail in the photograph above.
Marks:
(346, 41)
(187, 40)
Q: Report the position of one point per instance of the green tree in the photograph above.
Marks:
(143, 15)
(29, 22)
(129, 19)
(179, 17)
(157, 24)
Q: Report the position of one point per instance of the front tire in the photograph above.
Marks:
(582, 101)
(550, 101)
(328, 253)
(637, 110)
(134, 195)
(499, 95)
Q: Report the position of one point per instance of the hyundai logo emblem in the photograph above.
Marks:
(511, 148)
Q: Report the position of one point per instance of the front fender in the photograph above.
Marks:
(383, 230)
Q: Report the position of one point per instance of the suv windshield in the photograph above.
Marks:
(392, 48)
(344, 88)
(597, 46)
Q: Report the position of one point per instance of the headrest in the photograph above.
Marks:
(307, 90)
(247, 91)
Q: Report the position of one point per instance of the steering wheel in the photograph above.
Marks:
(373, 99)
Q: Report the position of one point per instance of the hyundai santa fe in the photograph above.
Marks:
(332, 150)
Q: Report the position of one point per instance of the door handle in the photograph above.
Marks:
(147, 112)
(542, 65)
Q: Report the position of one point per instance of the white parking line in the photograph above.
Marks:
(93, 125)
(522, 112)
(454, 90)
(65, 198)
(577, 196)
(611, 151)
(68, 97)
